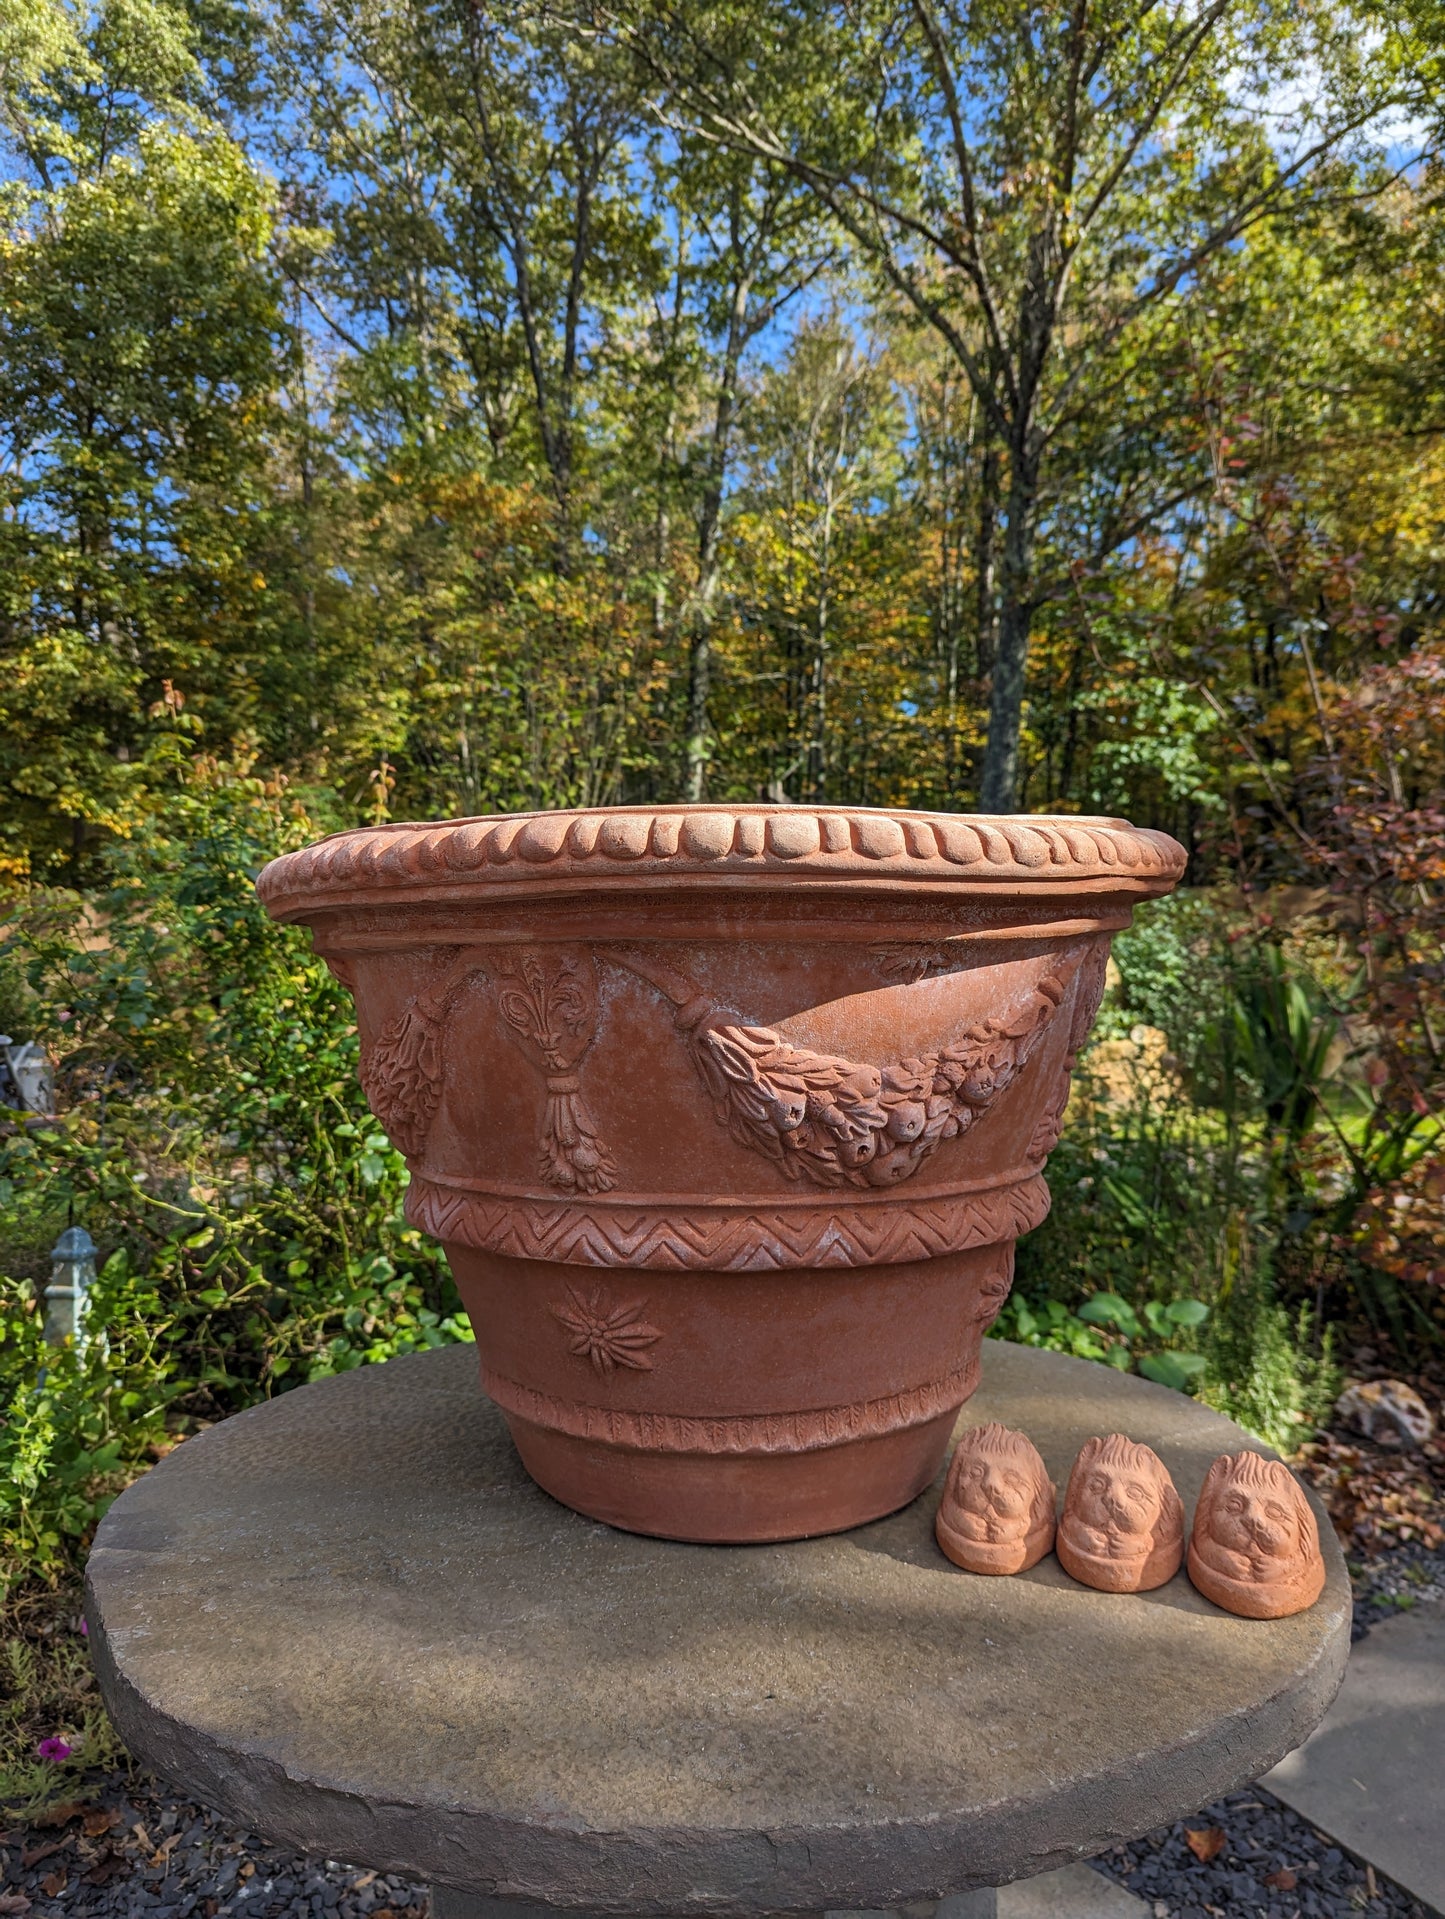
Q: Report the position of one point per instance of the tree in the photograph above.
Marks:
(141, 347)
(824, 585)
(758, 247)
(1034, 183)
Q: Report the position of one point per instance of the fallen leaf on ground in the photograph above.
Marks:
(1285, 1880)
(33, 1855)
(62, 1815)
(109, 1866)
(14, 1903)
(54, 1883)
(1206, 1843)
(101, 1820)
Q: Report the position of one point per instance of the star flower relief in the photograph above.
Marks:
(610, 1336)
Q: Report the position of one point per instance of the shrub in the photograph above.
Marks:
(214, 1140)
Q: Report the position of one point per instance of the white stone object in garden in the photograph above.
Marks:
(1387, 1411)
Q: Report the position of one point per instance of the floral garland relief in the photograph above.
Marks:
(817, 1117)
(837, 1122)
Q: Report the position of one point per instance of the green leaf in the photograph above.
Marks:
(1165, 1370)
(1188, 1312)
(1107, 1309)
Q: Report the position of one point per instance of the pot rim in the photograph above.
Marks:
(724, 846)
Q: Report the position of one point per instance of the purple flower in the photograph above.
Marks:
(84, 1630)
(54, 1749)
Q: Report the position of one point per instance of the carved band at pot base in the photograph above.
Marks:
(1122, 1528)
(997, 1510)
(1255, 1545)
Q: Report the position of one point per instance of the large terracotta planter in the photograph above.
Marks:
(728, 1119)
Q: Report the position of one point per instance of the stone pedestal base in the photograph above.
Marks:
(349, 1619)
(983, 1904)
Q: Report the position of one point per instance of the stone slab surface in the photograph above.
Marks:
(348, 1619)
(1373, 1776)
(1073, 1892)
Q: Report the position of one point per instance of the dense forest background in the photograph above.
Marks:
(414, 409)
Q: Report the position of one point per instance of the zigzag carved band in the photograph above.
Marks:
(722, 1240)
(799, 1432)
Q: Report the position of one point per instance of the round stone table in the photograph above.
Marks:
(350, 1621)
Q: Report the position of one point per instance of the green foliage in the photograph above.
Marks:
(1192, 1135)
(214, 1135)
(1172, 968)
(48, 1692)
(1107, 1328)
(140, 349)
(1271, 1371)
(76, 1426)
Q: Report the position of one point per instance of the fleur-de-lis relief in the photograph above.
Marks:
(608, 1334)
(548, 999)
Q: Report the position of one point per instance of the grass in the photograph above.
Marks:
(48, 1692)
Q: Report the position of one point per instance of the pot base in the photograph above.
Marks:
(731, 1407)
(733, 1499)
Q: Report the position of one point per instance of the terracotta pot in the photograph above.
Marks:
(728, 1119)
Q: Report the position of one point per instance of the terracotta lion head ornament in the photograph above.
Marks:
(1255, 1547)
(1122, 1529)
(997, 1510)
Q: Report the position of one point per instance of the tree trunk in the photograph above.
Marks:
(699, 652)
(984, 582)
(1005, 714)
(699, 686)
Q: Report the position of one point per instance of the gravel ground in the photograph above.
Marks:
(1410, 1576)
(128, 1854)
(124, 1853)
(1259, 1861)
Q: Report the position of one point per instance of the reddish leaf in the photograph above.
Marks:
(1206, 1843)
(54, 1883)
(101, 1820)
(1285, 1880)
